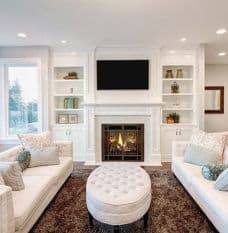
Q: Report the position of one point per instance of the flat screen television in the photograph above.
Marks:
(122, 74)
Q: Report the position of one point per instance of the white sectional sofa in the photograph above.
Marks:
(19, 210)
(214, 203)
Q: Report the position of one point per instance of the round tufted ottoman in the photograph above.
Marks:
(118, 194)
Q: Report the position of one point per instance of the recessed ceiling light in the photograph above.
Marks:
(221, 54)
(221, 31)
(183, 39)
(63, 41)
(73, 53)
(172, 51)
(21, 35)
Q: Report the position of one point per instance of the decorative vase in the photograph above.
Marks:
(180, 73)
(169, 74)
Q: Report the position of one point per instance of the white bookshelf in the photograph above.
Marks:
(63, 88)
(181, 102)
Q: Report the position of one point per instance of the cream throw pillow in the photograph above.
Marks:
(44, 156)
(210, 141)
(36, 140)
(12, 175)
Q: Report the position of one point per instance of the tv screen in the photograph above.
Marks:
(122, 74)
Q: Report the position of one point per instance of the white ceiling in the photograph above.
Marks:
(88, 23)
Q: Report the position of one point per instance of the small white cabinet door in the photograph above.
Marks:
(74, 134)
(170, 134)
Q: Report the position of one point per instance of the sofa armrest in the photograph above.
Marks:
(178, 148)
(7, 222)
(65, 148)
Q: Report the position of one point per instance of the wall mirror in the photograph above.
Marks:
(214, 99)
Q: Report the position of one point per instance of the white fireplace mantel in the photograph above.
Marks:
(148, 114)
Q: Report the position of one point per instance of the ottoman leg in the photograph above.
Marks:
(116, 229)
(145, 218)
(90, 219)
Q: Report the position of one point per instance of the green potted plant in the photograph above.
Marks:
(72, 75)
(173, 118)
(175, 87)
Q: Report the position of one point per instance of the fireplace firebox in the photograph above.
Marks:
(122, 142)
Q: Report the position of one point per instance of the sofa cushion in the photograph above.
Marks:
(27, 200)
(44, 156)
(214, 200)
(186, 170)
(199, 155)
(53, 170)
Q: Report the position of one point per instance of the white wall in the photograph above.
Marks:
(43, 54)
(217, 75)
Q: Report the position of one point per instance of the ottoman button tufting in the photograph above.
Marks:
(116, 195)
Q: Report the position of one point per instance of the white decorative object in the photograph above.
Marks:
(118, 194)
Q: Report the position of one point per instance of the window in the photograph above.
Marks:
(23, 99)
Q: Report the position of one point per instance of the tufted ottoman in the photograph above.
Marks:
(118, 194)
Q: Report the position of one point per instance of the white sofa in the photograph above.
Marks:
(19, 210)
(214, 203)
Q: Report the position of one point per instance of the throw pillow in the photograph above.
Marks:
(211, 172)
(44, 156)
(222, 182)
(199, 155)
(12, 175)
(24, 159)
(1, 180)
(36, 140)
(210, 141)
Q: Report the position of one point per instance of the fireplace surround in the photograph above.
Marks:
(122, 142)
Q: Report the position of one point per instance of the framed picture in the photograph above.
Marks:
(63, 119)
(73, 119)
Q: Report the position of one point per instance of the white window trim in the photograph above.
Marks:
(4, 63)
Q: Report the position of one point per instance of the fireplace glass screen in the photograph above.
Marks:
(122, 142)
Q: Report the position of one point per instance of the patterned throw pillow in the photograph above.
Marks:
(212, 172)
(36, 140)
(211, 141)
(24, 159)
(12, 175)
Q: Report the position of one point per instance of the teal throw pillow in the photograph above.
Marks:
(24, 159)
(199, 155)
(222, 182)
(212, 172)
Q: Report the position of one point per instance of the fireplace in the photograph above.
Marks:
(122, 142)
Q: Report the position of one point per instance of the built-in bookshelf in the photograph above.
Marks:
(68, 95)
(178, 99)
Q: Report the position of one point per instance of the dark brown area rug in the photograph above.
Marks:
(172, 209)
